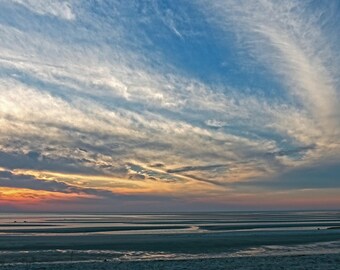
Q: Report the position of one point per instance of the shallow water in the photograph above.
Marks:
(119, 237)
(166, 223)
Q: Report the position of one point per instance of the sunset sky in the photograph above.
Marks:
(169, 105)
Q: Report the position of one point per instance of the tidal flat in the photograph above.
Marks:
(222, 240)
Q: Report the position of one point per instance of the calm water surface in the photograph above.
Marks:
(69, 237)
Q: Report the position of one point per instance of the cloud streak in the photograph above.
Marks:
(59, 9)
(97, 90)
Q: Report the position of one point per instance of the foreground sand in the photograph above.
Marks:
(310, 262)
(187, 241)
(310, 250)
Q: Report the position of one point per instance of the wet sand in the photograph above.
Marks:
(92, 229)
(193, 242)
(334, 228)
(310, 262)
(164, 241)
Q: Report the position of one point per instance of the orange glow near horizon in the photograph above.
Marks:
(23, 196)
(121, 185)
(187, 191)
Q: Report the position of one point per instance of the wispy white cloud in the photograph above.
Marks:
(288, 38)
(88, 98)
(60, 9)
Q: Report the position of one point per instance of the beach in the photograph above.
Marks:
(329, 262)
(291, 240)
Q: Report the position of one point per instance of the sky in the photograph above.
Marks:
(169, 105)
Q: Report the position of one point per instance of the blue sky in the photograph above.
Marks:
(155, 105)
